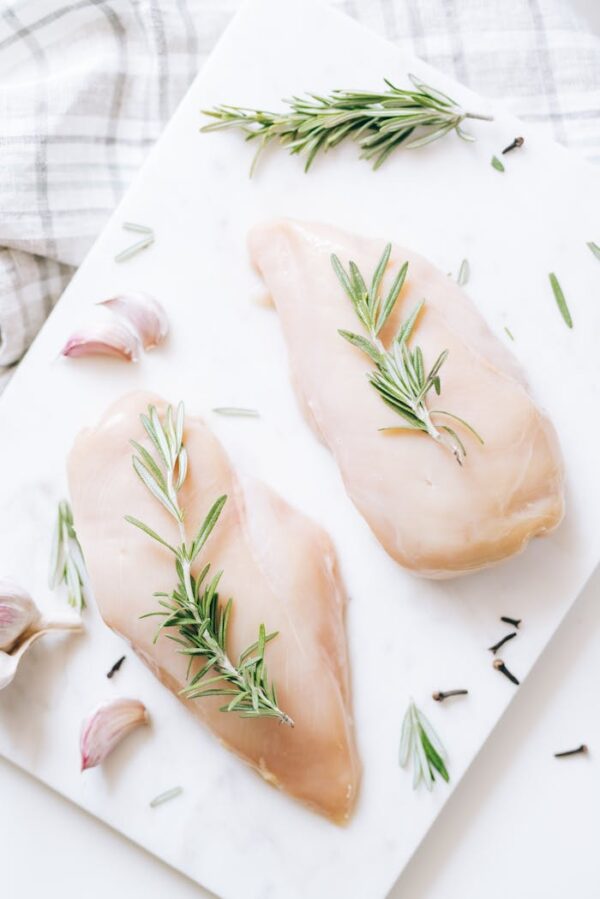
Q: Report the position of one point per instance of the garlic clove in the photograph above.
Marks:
(143, 313)
(18, 613)
(9, 661)
(106, 726)
(103, 339)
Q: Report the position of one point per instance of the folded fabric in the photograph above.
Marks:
(87, 86)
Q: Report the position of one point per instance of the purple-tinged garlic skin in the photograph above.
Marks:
(103, 339)
(143, 313)
(106, 726)
(18, 613)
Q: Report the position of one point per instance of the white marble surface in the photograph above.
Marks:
(446, 202)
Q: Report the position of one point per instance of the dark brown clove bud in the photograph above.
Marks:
(580, 749)
(501, 642)
(517, 142)
(439, 696)
(516, 622)
(500, 666)
(116, 667)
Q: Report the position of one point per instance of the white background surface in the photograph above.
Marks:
(522, 824)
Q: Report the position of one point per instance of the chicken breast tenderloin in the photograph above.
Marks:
(434, 517)
(279, 567)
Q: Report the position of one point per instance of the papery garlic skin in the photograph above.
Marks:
(103, 339)
(106, 726)
(18, 613)
(143, 313)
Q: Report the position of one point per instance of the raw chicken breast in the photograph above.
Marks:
(434, 517)
(279, 567)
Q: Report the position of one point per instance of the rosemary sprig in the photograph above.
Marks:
(421, 746)
(67, 565)
(399, 375)
(193, 609)
(379, 122)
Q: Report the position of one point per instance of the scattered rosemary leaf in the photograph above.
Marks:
(235, 410)
(595, 249)
(509, 332)
(146, 241)
(560, 300)
(496, 164)
(464, 273)
(166, 796)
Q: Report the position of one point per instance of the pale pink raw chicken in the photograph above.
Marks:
(434, 517)
(279, 567)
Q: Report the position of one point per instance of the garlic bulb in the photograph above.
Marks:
(18, 613)
(112, 338)
(106, 726)
(143, 313)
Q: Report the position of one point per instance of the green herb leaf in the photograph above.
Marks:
(560, 300)
(236, 411)
(594, 248)
(496, 164)
(464, 273)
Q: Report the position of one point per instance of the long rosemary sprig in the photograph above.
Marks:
(399, 375)
(67, 565)
(379, 122)
(421, 746)
(193, 609)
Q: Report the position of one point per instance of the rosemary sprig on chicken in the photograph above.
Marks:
(193, 609)
(400, 376)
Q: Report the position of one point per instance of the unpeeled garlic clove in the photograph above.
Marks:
(111, 338)
(18, 613)
(106, 726)
(143, 313)
(23, 625)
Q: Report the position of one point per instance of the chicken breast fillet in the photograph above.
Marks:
(434, 517)
(279, 567)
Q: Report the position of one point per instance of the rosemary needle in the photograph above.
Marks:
(496, 164)
(378, 122)
(560, 300)
(164, 797)
(509, 332)
(594, 248)
(464, 273)
(235, 410)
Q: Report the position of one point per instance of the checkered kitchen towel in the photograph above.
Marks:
(87, 85)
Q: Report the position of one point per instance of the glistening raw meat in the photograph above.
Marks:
(434, 517)
(279, 567)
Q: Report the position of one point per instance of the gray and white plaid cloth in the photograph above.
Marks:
(87, 85)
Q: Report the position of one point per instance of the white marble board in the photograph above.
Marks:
(230, 831)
